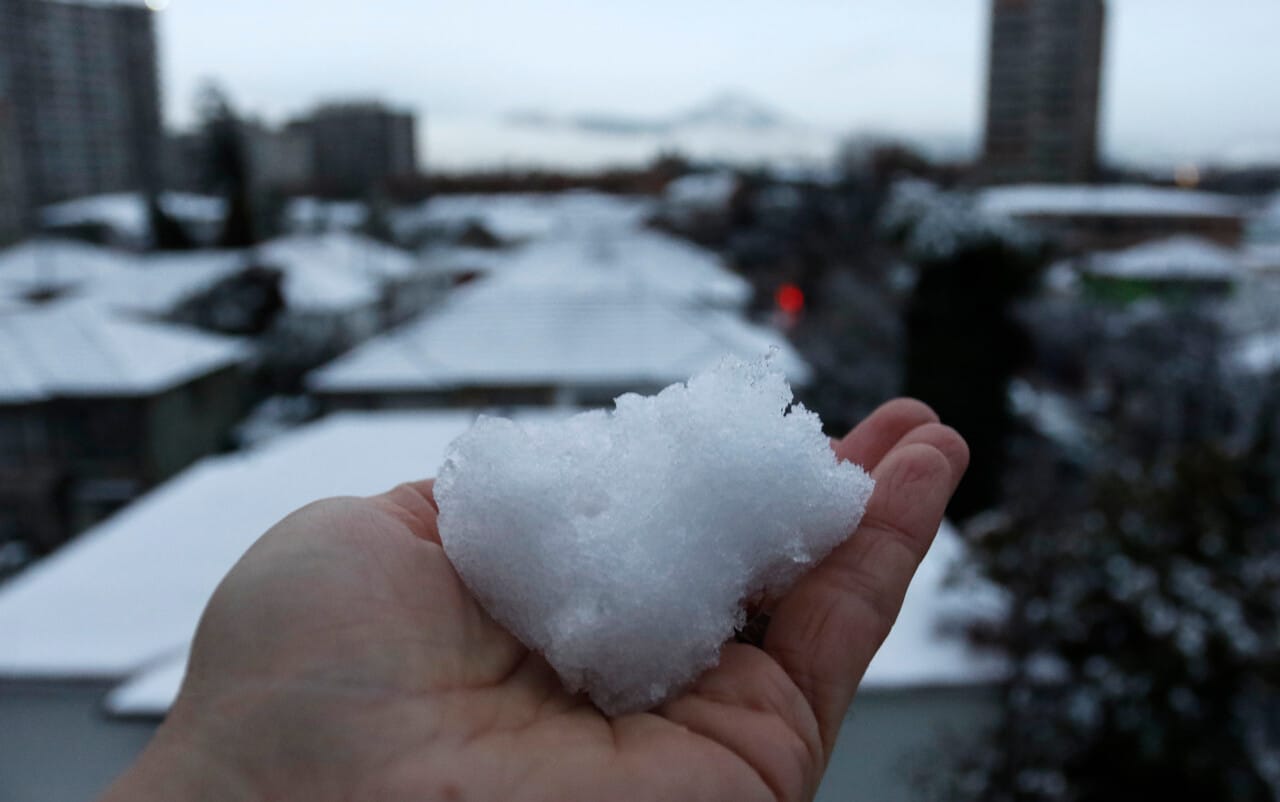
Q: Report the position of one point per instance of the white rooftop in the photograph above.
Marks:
(328, 271)
(130, 590)
(126, 213)
(1181, 257)
(80, 349)
(54, 264)
(151, 284)
(624, 262)
(159, 282)
(920, 650)
(498, 334)
(1119, 200)
(335, 270)
(459, 260)
(525, 216)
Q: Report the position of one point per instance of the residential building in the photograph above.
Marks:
(145, 285)
(96, 407)
(357, 147)
(280, 159)
(1083, 218)
(495, 345)
(1043, 83)
(575, 316)
(123, 219)
(80, 83)
(1179, 269)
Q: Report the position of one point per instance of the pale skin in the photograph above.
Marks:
(343, 659)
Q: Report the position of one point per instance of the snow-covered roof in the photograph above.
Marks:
(622, 261)
(1181, 257)
(157, 283)
(130, 590)
(334, 270)
(457, 260)
(150, 692)
(305, 214)
(126, 213)
(54, 264)
(150, 284)
(918, 652)
(525, 216)
(1263, 256)
(1105, 200)
(497, 334)
(78, 349)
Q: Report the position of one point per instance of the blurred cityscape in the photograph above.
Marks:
(204, 328)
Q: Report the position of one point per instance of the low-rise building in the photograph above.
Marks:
(357, 147)
(1106, 217)
(151, 285)
(1178, 267)
(500, 343)
(96, 407)
(123, 220)
(579, 304)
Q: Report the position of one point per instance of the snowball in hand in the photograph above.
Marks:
(623, 545)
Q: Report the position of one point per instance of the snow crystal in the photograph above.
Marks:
(623, 545)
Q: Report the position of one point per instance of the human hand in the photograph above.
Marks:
(343, 659)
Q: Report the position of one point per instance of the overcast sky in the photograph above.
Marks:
(1184, 78)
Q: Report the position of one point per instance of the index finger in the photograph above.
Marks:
(414, 503)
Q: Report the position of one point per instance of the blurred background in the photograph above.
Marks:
(260, 253)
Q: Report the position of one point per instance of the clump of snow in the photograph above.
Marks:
(623, 545)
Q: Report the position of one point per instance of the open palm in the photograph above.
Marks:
(344, 659)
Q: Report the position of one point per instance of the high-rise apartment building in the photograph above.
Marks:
(80, 82)
(1043, 84)
(356, 147)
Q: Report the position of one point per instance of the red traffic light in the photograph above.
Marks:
(790, 299)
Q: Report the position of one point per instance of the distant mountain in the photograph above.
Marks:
(618, 125)
(732, 110)
(724, 111)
